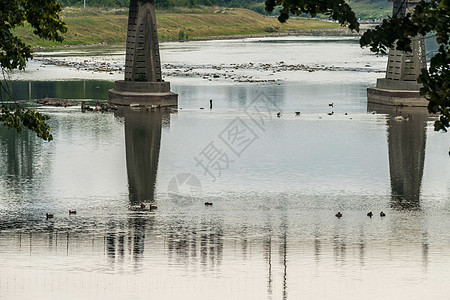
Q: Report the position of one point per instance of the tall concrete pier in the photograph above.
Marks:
(143, 82)
(400, 87)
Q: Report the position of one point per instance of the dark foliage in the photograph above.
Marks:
(337, 10)
(43, 16)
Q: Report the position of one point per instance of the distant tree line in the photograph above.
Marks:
(162, 3)
(194, 3)
(96, 3)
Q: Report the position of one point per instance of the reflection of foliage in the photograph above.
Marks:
(141, 77)
(337, 10)
(43, 16)
(428, 17)
(16, 117)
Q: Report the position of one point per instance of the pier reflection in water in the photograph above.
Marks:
(142, 146)
(406, 135)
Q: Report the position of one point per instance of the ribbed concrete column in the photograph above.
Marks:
(142, 61)
(406, 66)
(400, 87)
(143, 82)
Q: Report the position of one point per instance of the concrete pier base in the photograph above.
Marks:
(396, 93)
(395, 97)
(144, 93)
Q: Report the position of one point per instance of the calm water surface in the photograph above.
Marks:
(275, 183)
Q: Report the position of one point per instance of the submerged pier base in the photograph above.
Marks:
(143, 93)
(396, 93)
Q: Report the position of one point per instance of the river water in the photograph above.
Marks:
(276, 183)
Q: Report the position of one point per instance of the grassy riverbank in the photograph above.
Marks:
(95, 25)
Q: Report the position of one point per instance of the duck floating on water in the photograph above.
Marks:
(150, 207)
(72, 212)
(48, 216)
(339, 214)
(208, 203)
(370, 214)
(382, 214)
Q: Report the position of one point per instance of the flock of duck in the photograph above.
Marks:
(152, 207)
(369, 214)
(51, 216)
(143, 206)
(297, 113)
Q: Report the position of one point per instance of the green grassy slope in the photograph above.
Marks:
(110, 26)
(371, 9)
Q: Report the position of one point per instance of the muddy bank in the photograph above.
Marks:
(342, 31)
(56, 102)
(304, 32)
(244, 72)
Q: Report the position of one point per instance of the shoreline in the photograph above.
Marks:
(344, 32)
(302, 32)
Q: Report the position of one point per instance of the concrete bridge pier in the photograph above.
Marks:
(143, 82)
(400, 87)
